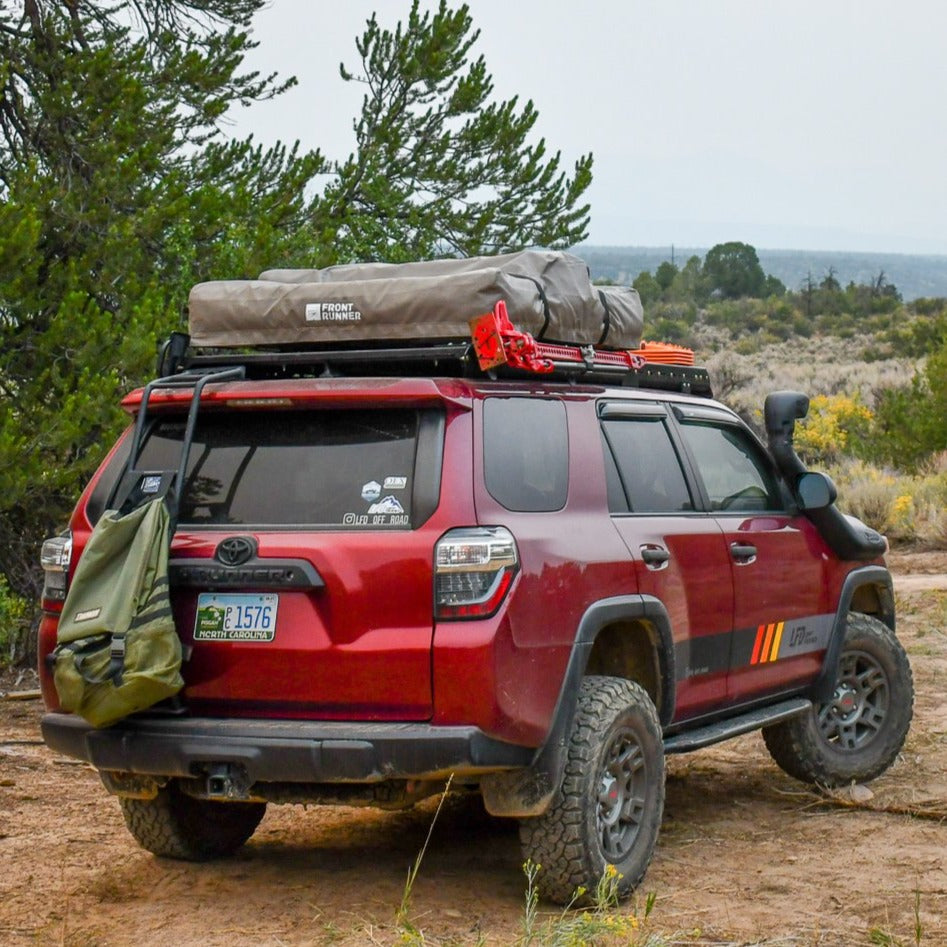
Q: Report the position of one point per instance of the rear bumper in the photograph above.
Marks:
(291, 751)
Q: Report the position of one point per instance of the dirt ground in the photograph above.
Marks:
(746, 855)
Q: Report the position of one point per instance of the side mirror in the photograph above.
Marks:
(815, 491)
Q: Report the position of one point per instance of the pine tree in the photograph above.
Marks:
(439, 167)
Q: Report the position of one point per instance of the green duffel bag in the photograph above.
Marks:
(117, 648)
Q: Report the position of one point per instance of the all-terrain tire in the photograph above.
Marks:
(858, 734)
(608, 809)
(175, 825)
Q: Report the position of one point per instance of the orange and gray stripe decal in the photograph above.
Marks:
(768, 639)
(768, 643)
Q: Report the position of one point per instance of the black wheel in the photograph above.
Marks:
(608, 809)
(176, 825)
(857, 734)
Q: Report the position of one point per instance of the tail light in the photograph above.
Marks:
(473, 571)
(55, 557)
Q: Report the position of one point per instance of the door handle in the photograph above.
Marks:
(743, 553)
(654, 557)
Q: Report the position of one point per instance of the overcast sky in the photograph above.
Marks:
(807, 124)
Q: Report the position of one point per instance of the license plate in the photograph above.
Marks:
(235, 617)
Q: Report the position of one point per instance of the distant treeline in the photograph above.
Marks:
(916, 276)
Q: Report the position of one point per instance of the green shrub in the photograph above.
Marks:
(14, 621)
(906, 508)
(911, 420)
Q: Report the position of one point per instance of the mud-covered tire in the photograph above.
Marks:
(858, 734)
(175, 825)
(608, 809)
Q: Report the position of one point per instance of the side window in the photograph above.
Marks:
(734, 473)
(648, 467)
(526, 453)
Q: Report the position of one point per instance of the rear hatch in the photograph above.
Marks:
(301, 581)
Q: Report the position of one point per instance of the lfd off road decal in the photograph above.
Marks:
(787, 639)
(765, 644)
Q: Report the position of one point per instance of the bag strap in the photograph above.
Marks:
(83, 649)
(607, 322)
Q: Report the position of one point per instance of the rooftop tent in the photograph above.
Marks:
(547, 293)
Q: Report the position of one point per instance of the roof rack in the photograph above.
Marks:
(496, 350)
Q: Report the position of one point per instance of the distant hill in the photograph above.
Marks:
(914, 275)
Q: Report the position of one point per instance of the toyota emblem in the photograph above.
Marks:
(235, 550)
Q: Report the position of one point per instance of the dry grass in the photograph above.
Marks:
(908, 509)
(816, 366)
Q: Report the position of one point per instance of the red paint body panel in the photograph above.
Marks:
(787, 580)
(357, 649)
(569, 559)
(696, 589)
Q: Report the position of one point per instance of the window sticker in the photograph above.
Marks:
(371, 491)
(388, 505)
(395, 483)
(373, 518)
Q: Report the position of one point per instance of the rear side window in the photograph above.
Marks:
(526, 453)
(321, 469)
(647, 466)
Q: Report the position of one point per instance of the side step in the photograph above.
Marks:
(712, 733)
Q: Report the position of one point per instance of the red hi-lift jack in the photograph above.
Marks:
(497, 342)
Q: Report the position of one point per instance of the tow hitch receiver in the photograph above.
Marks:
(225, 781)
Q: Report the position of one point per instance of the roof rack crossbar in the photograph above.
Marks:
(456, 351)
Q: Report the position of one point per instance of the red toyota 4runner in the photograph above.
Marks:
(540, 588)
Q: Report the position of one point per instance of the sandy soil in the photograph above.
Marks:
(746, 855)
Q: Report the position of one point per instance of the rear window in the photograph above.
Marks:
(320, 469)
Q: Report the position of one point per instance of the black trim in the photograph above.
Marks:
(698, 737)
(849, 538)
(428, 464)
(609, 410)
(257, 573)
(877, 576)
(294, 751)
(528, 792)
(364, 361)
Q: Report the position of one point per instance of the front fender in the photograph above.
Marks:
(879, 578)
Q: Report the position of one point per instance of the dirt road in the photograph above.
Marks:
(746, 855)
